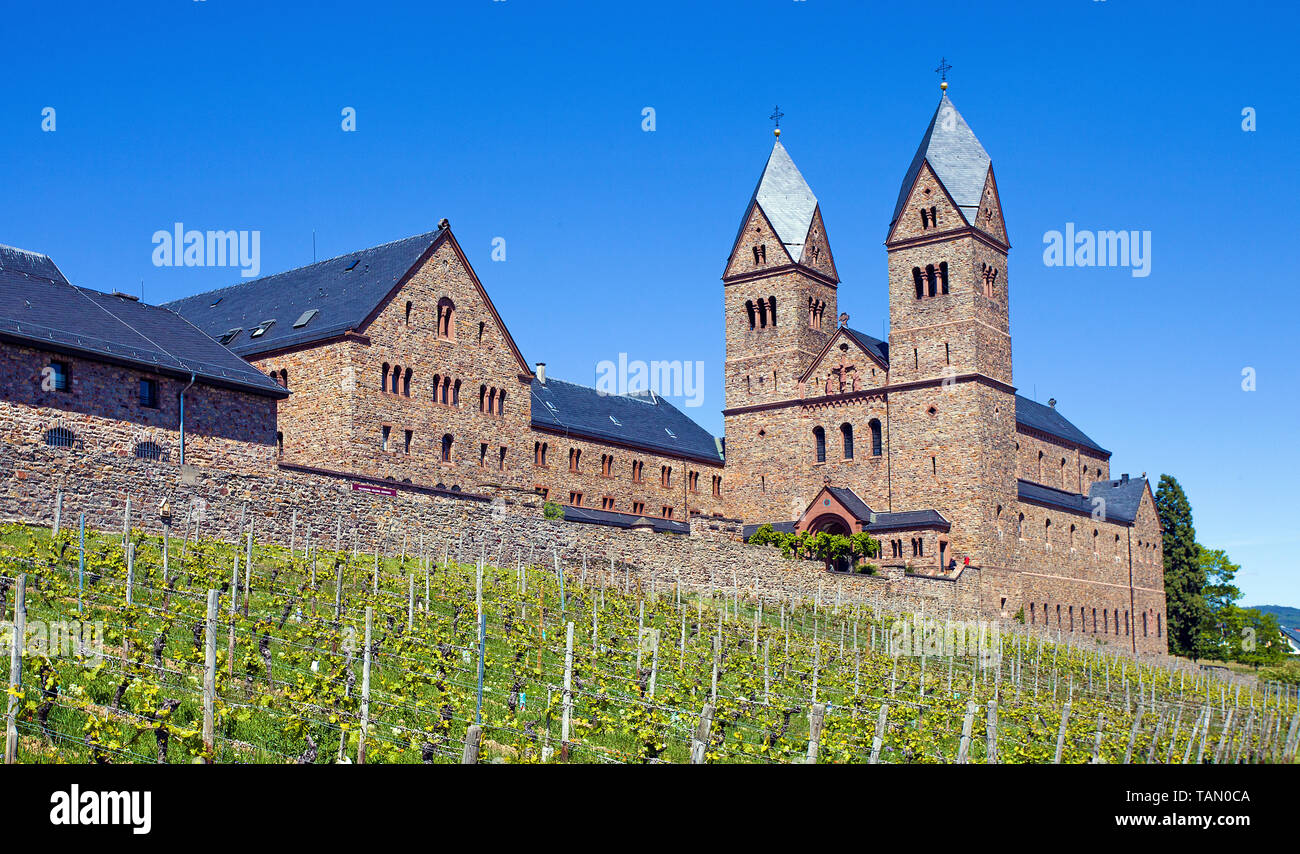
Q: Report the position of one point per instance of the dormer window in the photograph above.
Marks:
(261, 328)
(230, 335)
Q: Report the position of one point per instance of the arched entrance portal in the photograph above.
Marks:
(832, 523)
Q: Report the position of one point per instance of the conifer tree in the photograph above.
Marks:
(1188, 615)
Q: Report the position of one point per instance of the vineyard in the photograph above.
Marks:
(253, 652)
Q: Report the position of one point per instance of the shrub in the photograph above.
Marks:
(551, 510)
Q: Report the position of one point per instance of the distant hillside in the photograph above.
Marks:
(1286, 615)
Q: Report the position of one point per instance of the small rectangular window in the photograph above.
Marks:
(383, 444)
(58, 377)
(149, 393)
(406, 448)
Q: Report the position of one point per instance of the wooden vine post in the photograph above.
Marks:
(210, 678)
(365, 691)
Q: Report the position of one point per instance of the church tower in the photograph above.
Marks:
(952, 422)
(778, 288)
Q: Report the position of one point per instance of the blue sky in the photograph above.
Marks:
(521, 119)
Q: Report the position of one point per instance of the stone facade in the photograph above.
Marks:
(944, 409)
(102, 412)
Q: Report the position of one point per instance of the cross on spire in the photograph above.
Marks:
(776, 117)
(943, 70)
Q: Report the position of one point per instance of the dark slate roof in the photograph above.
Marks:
(955, 155)
(1122, 497)
(643, 420)
(786, 200)
(39, 307)
(22, 261)
(851, 502)
(1037, 493)
(1046, 419)
(908, 519)
(878, 348)
(623, 520)
(780, 527)
(343, 291)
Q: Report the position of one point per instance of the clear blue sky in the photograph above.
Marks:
(521, 119)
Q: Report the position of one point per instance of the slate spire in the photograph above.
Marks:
(786, 200)
(957, 158)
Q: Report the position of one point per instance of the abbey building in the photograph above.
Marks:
(392, 365)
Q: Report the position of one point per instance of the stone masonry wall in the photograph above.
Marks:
(712, 554)
(224, 428)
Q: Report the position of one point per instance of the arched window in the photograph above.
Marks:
(383, 382)
(943, 276)
(771, 309)
(846, 433)
(397, 377)
(492, 402)
(762, 313)
(482, 398)
(920, 283)
(406, 383)
(749, 310)
(446, 447)
(1020, 525)
(1144, 624)
(932, 280)
(819, 439)
(501, 403)
(284, 378)
(876, 445)
(455, 393)
(60, 437)
(148, 451)
(408, 313)
(437, 389)
(446, 318)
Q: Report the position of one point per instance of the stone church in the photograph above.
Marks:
(392, 365)
(922, 440)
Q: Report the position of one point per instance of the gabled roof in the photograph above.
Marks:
(879, 521)
(786, 199)
(957, 158)
(343, 291)
(1123, 497)
(1046, 419)
(873, 347)
(40, 308)
(643, 420)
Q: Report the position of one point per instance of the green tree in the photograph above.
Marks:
(1188, 616)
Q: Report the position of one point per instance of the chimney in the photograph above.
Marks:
(541, 372)
(1051, 402)
(1123, 478)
